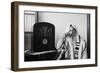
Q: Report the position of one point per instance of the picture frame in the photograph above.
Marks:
(28, 17)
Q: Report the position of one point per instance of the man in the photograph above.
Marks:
(71, 46)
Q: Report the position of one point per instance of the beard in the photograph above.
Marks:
(71, 34)
(68, 35)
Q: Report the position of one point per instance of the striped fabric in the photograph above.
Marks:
(77, 50)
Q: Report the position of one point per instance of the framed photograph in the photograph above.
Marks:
(52, 36)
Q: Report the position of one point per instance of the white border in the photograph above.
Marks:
(33, 64)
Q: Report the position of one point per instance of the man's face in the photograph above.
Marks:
(72, 31)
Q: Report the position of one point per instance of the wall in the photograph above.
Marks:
(61, 21)
(5, 37)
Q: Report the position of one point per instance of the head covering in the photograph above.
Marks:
(70, 25)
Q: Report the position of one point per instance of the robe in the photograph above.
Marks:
(72, 50)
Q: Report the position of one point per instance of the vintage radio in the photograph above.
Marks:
(44, 37)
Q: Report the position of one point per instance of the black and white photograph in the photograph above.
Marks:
(53, 36)
(56, 35)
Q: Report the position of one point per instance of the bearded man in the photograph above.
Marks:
(71, 46)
